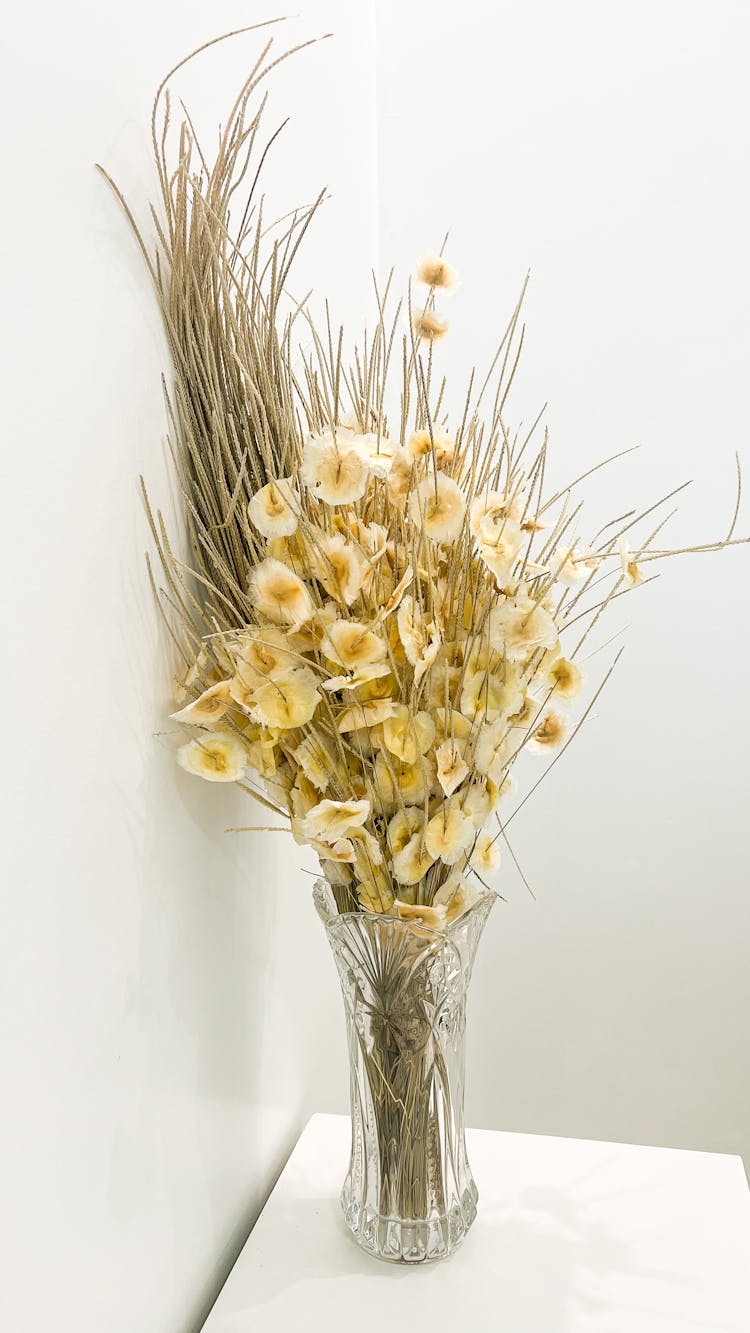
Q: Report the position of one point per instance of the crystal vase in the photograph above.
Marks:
(409, 1195)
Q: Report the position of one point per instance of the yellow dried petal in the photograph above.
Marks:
(273, 509)
(420, 917)
(287, 701)
(208, 707)
(434, 271)
(303, 797)
(631, 571)
(549, 734)
(519, 626)
(340, 567)
(317, 759)
(402, 827)
(565, 677)
(488, 696)
(400, 478)
(451, 725)
(438, 506)
(485, 858)
(571, 565)
(333, 469)
(262, 652)
(363, 714)
(449, 833)
(429, 325)
(357, 680)
(411, 864)
(408, 737)
(375, 893)
(216, 757)
(421, 640)
(331, 820)
(279, 594)
(493, 750)
(452, 768)
(351, 644)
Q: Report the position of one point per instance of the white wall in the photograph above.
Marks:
(160, 1051)
(170, 1015)
(606, 148)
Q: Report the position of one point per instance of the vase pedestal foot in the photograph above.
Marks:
(400, 1240)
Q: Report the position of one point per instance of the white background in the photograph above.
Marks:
(170, 1017)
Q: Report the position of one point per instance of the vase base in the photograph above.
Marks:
(399, 1240)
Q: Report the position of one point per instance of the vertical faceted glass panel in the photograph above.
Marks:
(409, 1194)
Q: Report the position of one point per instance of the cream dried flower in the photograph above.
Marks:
(402, 783)
(411, 864)
(527, 712)
(372, 539)
(336, 872)
(351, 644)
(565, 678)
(287, 701)
(420, 917)
(490, 510)
(408, 737)
(273, 509)
(571, 565)
(262, 651)
(519, 626)
(428, 324)
(359, 848)
(331, 820)
(400, 478)
(374, 891)
(403, 826)
(449, 833)
(303, 797)
(452, 767)
(493, 750)
(243, 690)
(421, 443)
(434, 271)
(208, 707)
(341, 852)
(340, 567)
(438, 506)
(378, 453)
(333, 468)
(631, 571)
(279, 594)
(499, 541)
(364, 714)
(396, 597)
(485, 695)
(451, 725)
(357, 679)
(317, 759)
(477, 802)
(549, 734)
(217, 757)
(367, 849)
(485, 857)
(456, 896)
(421, 640)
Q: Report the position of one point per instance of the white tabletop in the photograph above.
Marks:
(571, 1236)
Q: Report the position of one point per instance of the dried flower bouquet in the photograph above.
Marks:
(382, 608)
